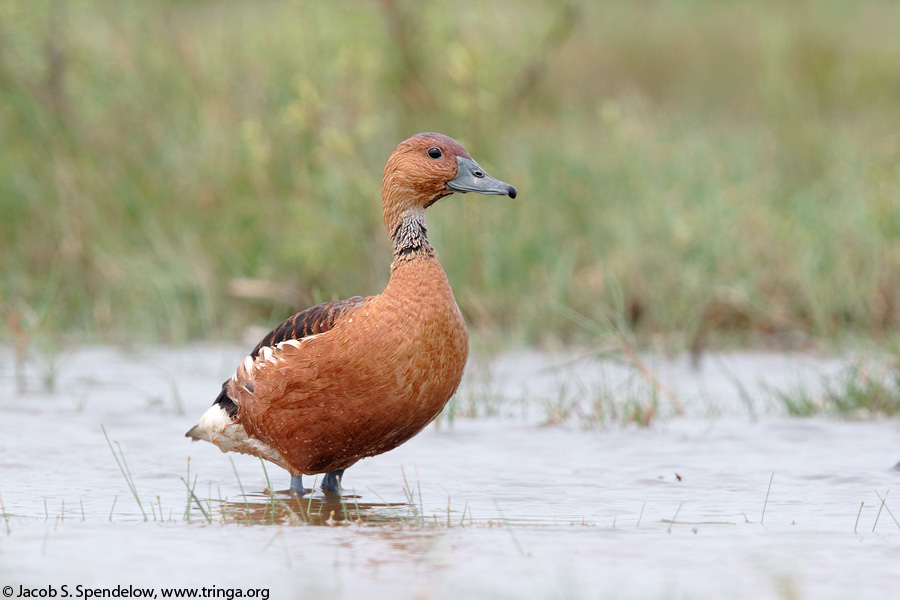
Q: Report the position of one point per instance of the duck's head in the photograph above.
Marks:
(427, 167)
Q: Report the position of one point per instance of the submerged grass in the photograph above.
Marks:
(173, 169)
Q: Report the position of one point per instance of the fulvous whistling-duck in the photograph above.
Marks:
(354, 378)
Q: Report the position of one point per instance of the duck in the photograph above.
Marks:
(350, 379)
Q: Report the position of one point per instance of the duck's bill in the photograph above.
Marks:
(472, 178)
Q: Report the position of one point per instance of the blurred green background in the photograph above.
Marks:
(179, 170)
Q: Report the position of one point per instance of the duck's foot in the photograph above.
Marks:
(297, 490)
(332, 481)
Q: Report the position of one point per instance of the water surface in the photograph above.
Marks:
(577, 508)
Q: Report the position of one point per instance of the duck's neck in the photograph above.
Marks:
(409, 237)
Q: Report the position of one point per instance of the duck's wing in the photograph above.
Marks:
(305, 324)
(312, 321)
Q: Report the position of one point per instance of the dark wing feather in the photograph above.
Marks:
(313, 320)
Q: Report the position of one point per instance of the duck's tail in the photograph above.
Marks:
(214, 421)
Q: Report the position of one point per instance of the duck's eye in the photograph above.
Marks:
(434, 152)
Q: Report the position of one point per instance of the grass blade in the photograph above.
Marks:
(861, 504)
(880, 508)
(126, 473)
(674, 518)
(510, 529)
(888, 508)
(5, 516)
(766, 503)
(241, 485)
(196, 499)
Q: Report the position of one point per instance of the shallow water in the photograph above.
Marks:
(577, 509)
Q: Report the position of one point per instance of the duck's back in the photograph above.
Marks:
(381, 373)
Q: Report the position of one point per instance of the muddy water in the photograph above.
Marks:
(580, 508)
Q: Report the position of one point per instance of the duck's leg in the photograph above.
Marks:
(332, 481)
(297, 488)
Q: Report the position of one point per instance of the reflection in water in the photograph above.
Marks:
(328, 509)
(282, 508)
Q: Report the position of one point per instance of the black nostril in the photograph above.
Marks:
(478, 174)
(511, 192)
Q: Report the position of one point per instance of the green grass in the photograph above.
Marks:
(271, 507)
(869, 388)
(696, 167)
(126, 472)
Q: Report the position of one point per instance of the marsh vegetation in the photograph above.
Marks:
(178, 170)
